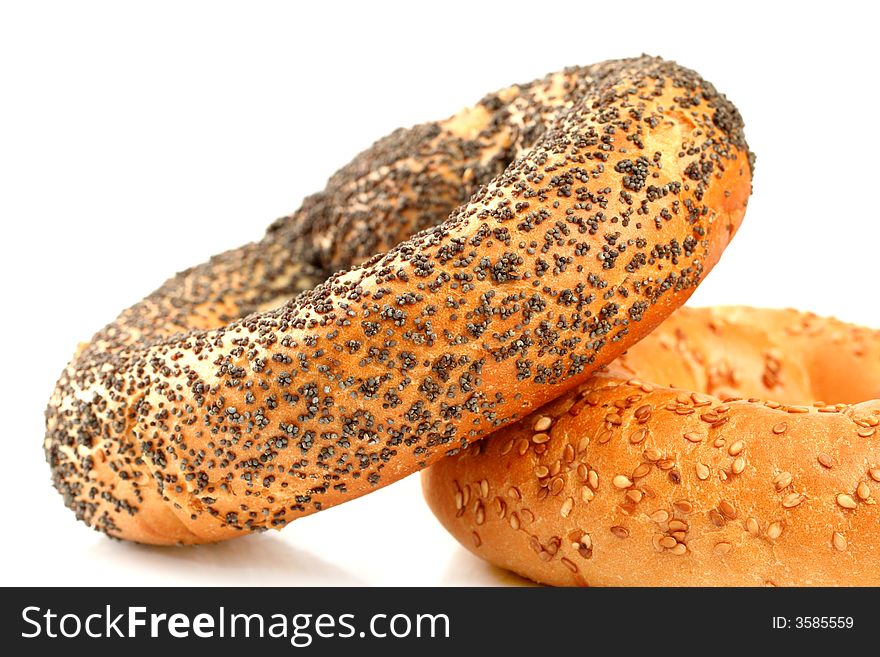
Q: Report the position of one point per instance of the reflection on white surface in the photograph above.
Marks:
(465, 569)
(387, 538)
(256, 560)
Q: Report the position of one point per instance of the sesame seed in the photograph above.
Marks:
(684, 506)
(867, 432)
(541, 471)
(792, 500)
(846, 501)
(540, 438)
(874, 474)
(678, 550)
(660, 516)
(566, 508)
(638, 436)
(668, 542)
(480, 515)
(693, 437)
(619, 531)
(621, 481)
(702, 471)
(753, 527)
(727, 509)
(838, 540)
(721, 548)
(642, 413)
(476, 538)
(774, 531)
(735, 448)
(576, 408)
(824, 460)
(507, 447)
(863, 491)
(587, 494)
(514, 521)
(543, 423)
(586, 541)
(634, 495)
(585, 548)
(678, 526)
(652, 454)
(642, 470)
(739, 464)
(782, 480)
(593, 479)
(484, 488)
(780, 428)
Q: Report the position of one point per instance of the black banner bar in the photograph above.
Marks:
(401, 620)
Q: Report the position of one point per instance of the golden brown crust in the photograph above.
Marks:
(630, 177)
(629, 482)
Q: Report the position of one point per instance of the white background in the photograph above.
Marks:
(138, 140)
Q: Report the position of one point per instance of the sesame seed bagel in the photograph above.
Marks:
(222, 404)
(696, 459)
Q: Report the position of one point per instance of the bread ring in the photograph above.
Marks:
(213, 408)
(625, 481)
